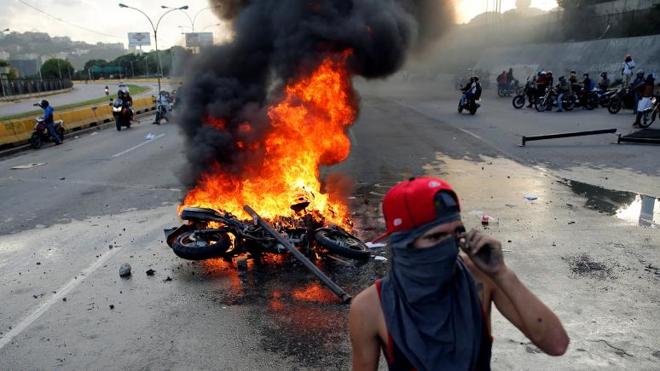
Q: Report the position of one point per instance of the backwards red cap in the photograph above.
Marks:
(416, 202)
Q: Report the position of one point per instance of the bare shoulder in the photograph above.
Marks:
(365, 302)
(366, 311)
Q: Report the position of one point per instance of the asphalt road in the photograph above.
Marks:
(80, 93)
(103, 199)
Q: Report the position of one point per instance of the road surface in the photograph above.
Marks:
(103, 199)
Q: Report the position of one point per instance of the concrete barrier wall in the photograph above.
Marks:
(589, 56)
(19, 131)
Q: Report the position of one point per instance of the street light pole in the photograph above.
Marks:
(191, 20)
(155, 29)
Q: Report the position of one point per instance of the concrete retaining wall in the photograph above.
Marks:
(588, 56)
(19, 131)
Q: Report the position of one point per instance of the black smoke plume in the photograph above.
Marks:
(277, 40)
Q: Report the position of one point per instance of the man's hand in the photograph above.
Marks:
(485, 252)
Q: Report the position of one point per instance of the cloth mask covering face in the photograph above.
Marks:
(431, 306)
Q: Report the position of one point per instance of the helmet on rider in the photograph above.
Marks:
(640, 74)
(586, 75)
(562, 78)
(475, 78)
(603, 74)
(44, 104)
(573, 73)
(120, 94)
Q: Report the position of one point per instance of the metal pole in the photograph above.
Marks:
(343, 295)
(567, 135)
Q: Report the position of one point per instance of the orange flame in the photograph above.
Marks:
(313, 293)
(308, 129)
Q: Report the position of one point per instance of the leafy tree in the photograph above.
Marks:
(56, 68)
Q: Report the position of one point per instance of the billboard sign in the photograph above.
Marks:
(199, 39)
(139, 39)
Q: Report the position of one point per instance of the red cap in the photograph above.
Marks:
(415, 202)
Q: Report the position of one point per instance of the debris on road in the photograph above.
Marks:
(149, 136)
(125, 270)
(112, 307)
(530, 197)
(375, 245)
(380, 258)
(28, 166)
(62, 178)
(168, 279)
(150, 272)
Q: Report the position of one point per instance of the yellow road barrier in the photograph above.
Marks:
(19, 130)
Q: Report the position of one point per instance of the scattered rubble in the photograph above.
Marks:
(125, 270)
(150, 272)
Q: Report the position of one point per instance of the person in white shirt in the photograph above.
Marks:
(627, 70)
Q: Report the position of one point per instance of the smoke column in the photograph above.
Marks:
(277, 40)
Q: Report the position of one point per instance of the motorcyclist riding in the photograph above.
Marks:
(49, 120)
(162, 107)
(645, 92)
(471, 91)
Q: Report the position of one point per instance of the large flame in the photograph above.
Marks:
(308, 129)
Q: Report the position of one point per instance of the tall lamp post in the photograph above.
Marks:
(155, 29)
(191, 20)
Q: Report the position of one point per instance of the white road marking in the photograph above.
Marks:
(138, 146)
(470, 133)
(60, 293)
(353, 138)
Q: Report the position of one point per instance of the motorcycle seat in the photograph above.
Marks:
(199, 213)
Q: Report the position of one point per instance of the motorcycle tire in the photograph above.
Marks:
(604, 102)
(460, 108)
(212, 245)
(518, 101)
(570, 103)
(592, 103)
(647, 119)
(473, 110)
(35, 141)
(118, 124)
(501, 93)
(540, 105)
(60, 133)
(342, 244)
(615, 106)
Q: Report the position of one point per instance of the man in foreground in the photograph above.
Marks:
(432, 310)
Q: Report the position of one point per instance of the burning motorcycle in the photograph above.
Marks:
(210, 233)
(122, 113)
(40, 133)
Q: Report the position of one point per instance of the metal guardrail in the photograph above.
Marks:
(11, 87)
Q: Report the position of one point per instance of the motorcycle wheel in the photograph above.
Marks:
(647, 119)
(201, 245)
(473, 110)
(460, 108)
(592, 103)
(540, 105)
(60, 133)
(118, 124)
(501, 93)
(615, 106)
(570, 104)
(518, 101)
(342, 243)
(35, 141)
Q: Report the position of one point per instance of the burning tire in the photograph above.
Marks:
(342, 244)
(201, 245)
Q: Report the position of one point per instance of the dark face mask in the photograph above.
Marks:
(423, 274)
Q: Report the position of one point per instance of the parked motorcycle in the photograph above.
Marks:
(588, 100)
(623, 98)
(527, 92)
(40, 134)
(549, 100)
(121, 113)
(650, 114)
(211, 234)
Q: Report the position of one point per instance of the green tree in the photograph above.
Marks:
(12, 71)
(56, 68)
